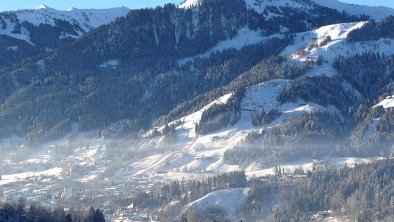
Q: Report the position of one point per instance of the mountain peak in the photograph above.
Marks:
(42, 7)
(71, 9)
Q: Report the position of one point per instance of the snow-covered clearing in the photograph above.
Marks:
(12, 178)
(231, 200)
(256, 170)
(311, 45)
(244, 37)
(386, 103)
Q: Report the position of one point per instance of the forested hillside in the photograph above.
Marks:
(34, 212)
(131, 69)
(362, 193)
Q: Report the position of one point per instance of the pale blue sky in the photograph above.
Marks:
(65, 4)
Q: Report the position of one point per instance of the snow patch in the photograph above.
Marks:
(112, 64)
(258, 170)
(244, 37)
(41, 7)
(231, 200)
(386, 103)
(265, 97)
(190, 4)
(12, 178)
(312, 45)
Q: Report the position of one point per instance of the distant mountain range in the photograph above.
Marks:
(27, 33)
(374, 12)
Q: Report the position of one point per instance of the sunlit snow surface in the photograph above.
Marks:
(386, 103)
(12, 178)
(301, 51)
(231, 200)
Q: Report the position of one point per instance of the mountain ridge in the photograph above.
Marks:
(29, 32)
(374, 12)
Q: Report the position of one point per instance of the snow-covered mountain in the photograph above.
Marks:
(17, 24)
(374, 12)
(29, 32)
(205, 153)
(192, 41)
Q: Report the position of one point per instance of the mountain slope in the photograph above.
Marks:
(139, 55)
(289, 117)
